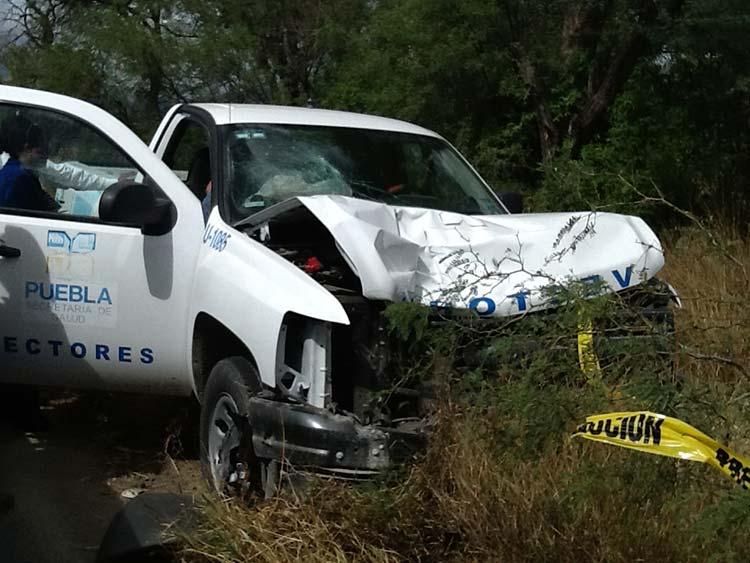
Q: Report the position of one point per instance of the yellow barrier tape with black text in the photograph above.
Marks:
(662, 435)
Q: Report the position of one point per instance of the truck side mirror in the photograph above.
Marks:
(512, 200)
(138, 204)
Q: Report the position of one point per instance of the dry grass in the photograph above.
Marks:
(714, 326)
(714, 290)
(503, 482)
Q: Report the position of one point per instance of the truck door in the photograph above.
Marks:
(85, 303)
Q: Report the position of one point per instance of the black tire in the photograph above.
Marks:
(228, 461)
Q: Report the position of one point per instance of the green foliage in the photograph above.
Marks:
(524, 375)
(582, 104)
(31, 66)
(678, 125)
(722, 525)
(408, 321)
(465, 89)
(137, 58)
(513, 82)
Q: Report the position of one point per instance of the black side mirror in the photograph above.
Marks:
(512, 200)
(138, 204)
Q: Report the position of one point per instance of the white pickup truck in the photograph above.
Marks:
(269, 308)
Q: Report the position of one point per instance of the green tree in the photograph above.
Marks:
(580, 102)
(680, 125)
(118, 54)
(270, 51)
(566, 94)
(136, 58)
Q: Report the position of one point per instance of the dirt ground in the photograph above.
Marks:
(60, 488)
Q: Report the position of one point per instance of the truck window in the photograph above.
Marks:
(74, 163)
(188, 156)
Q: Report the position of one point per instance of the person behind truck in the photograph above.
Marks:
(25, 144)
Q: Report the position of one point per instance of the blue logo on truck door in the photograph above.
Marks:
(79, 243)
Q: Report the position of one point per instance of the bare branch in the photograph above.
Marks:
(716, 358)
(691, 217)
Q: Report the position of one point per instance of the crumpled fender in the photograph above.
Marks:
(249, 289)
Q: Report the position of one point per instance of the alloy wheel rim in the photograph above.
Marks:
(221, 440)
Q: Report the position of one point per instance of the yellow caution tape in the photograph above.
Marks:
(587, 357)
(662, 435)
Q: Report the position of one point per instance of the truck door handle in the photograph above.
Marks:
(9, 251)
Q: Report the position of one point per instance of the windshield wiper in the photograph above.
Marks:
(267, 213)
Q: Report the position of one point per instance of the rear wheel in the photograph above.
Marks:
(228, 460)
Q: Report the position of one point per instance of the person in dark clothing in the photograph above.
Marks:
(19, 186)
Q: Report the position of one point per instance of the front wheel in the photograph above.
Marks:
(228, 460)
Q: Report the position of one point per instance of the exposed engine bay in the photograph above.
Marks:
(361, 378)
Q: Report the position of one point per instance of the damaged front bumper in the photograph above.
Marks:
(334, 444)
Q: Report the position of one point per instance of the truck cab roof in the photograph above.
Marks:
(229, 113)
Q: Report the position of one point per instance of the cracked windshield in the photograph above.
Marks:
(268, 164)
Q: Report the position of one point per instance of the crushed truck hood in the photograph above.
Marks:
(498, 265)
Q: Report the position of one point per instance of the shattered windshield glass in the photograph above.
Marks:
(267, 164)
